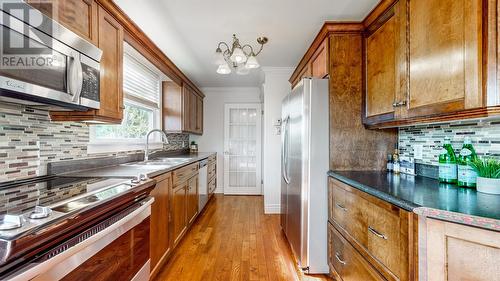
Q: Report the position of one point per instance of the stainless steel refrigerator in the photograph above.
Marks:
(304, 167)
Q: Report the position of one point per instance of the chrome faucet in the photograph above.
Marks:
(163, 136)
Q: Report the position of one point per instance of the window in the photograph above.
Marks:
(142, 92)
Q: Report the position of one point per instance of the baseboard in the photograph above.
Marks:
(272, 209)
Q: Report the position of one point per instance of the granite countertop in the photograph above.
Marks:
(428, 197)
(135, 168)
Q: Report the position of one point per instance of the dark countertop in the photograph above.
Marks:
(426, 196)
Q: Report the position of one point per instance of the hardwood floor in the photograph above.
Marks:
(234, 240)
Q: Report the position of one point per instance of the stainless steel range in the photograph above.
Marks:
(45, 220)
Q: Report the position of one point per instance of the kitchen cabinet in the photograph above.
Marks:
(160, 221)
(192, 201)
(80, 16)
(319, 61)
(182, 109)
(179, 216)
(378, 237)
(430, 61)
(456, 252)
(384, 64)
(110, 41)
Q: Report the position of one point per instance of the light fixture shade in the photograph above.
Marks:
(252, 62)
(242, 70)
(224, 69)
(238, 56)
(219, 58)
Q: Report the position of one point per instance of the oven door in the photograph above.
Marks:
(37, 69)
(121, 249)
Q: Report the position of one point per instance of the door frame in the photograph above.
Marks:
(258, 148)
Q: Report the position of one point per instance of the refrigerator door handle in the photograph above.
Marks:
(285, 149)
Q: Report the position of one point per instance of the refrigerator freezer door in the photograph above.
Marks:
(284, 152)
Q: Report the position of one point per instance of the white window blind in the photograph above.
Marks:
(139, 81)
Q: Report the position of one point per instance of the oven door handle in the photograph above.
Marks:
(75, 77)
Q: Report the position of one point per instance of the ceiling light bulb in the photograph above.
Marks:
(238, 56)
(252, 62)
(224, 69)
(219, 57)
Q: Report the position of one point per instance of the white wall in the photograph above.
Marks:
(213, 121)
(275, 88)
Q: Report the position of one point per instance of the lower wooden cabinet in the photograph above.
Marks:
(379, 234)
(160, 214)
(192, 201)
(346, 262)
(457, 252)
(179, 218)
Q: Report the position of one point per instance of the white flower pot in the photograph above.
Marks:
(487, 185)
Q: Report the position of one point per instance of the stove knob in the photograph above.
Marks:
(136, 180)
(143, 177)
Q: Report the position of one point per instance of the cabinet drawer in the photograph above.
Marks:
(212, 158)
(183, 174)
(346, 261)
(211, 171)
(337, 202)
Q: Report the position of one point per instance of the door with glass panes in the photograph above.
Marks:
(242, 149)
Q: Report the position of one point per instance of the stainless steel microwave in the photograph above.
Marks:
(43, 63)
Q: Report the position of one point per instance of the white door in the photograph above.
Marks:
(242, 149)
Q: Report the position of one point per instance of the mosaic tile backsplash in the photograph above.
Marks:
(29, 140)
(485, 136)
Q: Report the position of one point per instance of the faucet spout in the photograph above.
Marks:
(164, 139)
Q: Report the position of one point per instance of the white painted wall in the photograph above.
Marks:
(213, 121)
(274, 89)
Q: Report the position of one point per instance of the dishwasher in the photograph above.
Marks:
(202, 185)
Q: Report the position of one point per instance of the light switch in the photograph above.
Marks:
(418, 151)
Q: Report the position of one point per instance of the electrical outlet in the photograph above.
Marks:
(418, 151)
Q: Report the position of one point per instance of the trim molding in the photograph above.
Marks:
(271, 209)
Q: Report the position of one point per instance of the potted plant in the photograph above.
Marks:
(488, 175)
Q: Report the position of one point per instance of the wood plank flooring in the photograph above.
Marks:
(234, 240)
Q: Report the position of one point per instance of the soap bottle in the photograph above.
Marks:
(467, 176)
(389, 163)
(396, 165)
(447, 163)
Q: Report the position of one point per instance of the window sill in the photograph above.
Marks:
(113, 147)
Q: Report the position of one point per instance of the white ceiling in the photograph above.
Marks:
(188, 31)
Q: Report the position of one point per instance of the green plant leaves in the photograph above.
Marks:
(486, 167)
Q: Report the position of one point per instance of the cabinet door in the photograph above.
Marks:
(179, 204)
(199, 115)
(80, 16)
(383, 46)
(192, 207)
(445, 56)
(111, 44)
(319, 61)
(187, 109)
(160, 212)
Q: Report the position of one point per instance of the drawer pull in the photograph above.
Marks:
(337, 256)
(378, 234)
(341, 207)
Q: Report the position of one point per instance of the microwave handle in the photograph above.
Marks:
(75, 77)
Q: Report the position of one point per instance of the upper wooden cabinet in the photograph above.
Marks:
(182, 109)
(316, 65)
(80, 16)
(383, 63)
(431, 60)
(110, 41)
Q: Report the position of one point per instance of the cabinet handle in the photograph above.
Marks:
(337, 256)
(341, 207)
(399, 103)
(378, 234)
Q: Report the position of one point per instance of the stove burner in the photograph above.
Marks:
(40, 212)
(9, 222)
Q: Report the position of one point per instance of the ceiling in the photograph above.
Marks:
(188, 31)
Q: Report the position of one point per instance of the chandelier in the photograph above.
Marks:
(239, 58)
